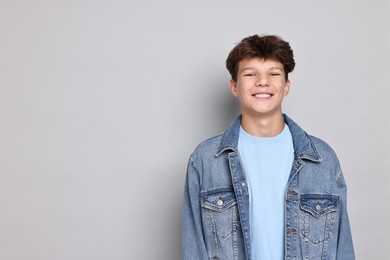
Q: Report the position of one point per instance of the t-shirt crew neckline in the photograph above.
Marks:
(264, 140)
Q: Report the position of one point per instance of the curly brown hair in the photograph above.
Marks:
(266, 47)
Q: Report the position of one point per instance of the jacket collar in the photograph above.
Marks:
(304, 147)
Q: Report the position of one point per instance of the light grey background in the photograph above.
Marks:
(101, 103)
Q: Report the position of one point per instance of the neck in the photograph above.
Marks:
(263, 126)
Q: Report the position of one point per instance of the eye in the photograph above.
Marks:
(249, 75)
(275, 74)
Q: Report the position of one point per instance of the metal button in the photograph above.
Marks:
(220, 201)
(289, 230)
(293, 192)
(318, 206)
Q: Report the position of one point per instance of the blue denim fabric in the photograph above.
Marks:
(216, 209)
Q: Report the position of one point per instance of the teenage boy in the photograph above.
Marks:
(264, 189)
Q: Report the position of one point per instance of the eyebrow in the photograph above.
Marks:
(253, 68)
(249, 68)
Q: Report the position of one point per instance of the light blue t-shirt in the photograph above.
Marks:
(267, 163)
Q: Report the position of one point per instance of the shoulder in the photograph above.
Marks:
(209, 146)
(205, 153)
(325, 151)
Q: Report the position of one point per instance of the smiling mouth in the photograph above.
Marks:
(262, 95)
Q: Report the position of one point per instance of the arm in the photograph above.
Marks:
(193, 244)
(345, 246)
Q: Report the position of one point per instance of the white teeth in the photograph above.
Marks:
(263, 95)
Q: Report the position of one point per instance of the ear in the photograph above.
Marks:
(233, 88)
(286, 89)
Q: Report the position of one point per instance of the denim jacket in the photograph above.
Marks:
(216, 201)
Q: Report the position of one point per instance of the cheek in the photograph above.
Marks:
(238, 90)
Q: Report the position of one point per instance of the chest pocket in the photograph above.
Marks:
(318, 212)
(221, 210)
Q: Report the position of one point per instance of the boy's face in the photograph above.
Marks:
(260, 87)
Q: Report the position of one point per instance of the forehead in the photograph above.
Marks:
(257, 63)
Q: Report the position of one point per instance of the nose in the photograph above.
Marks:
(262, 81)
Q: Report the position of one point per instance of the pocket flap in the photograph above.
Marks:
(219, 199)
(318, 204)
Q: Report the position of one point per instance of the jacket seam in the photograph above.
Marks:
(339, 175)
(197, 172)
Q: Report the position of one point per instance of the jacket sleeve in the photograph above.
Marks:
(345, 249)
(193, 244)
